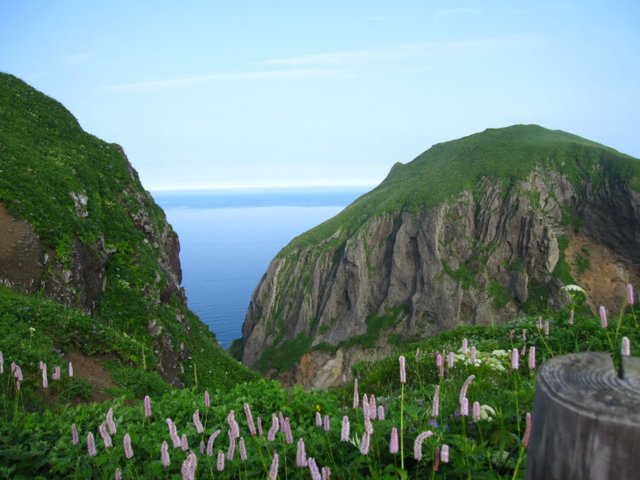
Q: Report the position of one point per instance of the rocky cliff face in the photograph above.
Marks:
(484, 256)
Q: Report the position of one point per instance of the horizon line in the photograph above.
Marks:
(258, 186)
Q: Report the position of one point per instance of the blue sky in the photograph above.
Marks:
(246, 93)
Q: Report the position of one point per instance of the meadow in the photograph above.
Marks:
(452, 406)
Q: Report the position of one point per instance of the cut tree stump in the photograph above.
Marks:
(586, 420)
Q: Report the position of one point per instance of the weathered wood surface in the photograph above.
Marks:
(586, 420)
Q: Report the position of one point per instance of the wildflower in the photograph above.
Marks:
(356, 395)
(626, 347)
(465, 386)
(1, 363)
(118, 474)
(464, 407)
(202, 447)
(417, 446)
(173, 433)
(318, 419)
(243, 450)
(234, 428)
(271, 436)
(70, 369)
(346, 428)
(440, 364)
(476, 411)
(313, 468)
(189, 467)
(56, 373)
(260, 426)
(364, 444)
(164, 454)
(451, 360)
(220, 463)
(373, 410)
(523, 351)
(197, 422)
(403, 370)
(301, 455)
(365, 406)
(212, 439)
(326, 473)
(184, 443)
(232, 448)
(249, 416)
(286, 428)
(75, 439)
(207, 400)
(444, 453)
(110, 423)
(273, 471)
(326, 423)
(45, 381)
(435, 408)
(473, 355)
(487, 413)
(573, 288)
(603, 317)
(571, 317)
(514, 359)
(380, 412)
(91, 445)
(147, 406)
(546, 328)
(418, 354)
(630, 299)
(532, 358)
(393, 441)
(465, 346)
(106, 438)
(527, 430)
(128, 451)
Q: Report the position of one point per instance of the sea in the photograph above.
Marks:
(229, 237)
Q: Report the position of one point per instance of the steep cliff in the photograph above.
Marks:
(470, 232)
(77, 227)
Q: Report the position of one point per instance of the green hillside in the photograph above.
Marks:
(446, 169)
(45, 159)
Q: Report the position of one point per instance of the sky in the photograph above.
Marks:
(213, 94)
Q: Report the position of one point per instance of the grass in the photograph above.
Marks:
(35, 436)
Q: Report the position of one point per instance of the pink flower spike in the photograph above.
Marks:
(403, 370)
(630, 299)
(514, 359)
(435, 408)
(626, 347)
(45, 381)
(273, 471)
(75, 438)
(249, 416)
(527, 430)
(70, 369)
(210, 443)
(465, 385)
(207, 399)
(476, 411)
(301, 455)
(417, 446)
(546, 328)
(232, 448)
(147, 406)
(220, 463)
(275, 426)
(189, 467)
(356, 395)
(532, 358)
(571, 314)
(346, 429)
(197, 423)
(381, 413)
(393, 441)
(110, 423)
(440, 364)
(373, 409)
(603, 317)
(364, 444)
(128, 451)
(118, 474)
(184, 443)
(451, 360)
(91, 445)
(326, 473)
(164, 454)
(327, 423)
(243, 450)
(464, 407)
(313, 468)
(444, 453)
(465, 346)
(106, 438)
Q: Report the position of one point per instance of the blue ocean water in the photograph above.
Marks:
(228, 238)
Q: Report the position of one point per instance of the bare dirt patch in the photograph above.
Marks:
(603, 274)
(91, 370)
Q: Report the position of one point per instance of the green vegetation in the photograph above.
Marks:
(500, 295)
(582, 259)
(506, 154)
(562, 270)
(46, 160)
(35, 423)
(283, 356)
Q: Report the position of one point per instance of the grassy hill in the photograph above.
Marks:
(446, 169)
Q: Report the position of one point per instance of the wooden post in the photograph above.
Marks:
(586, 420)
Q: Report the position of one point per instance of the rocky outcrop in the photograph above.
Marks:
(472, 260)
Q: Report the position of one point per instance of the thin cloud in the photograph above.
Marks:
(191, 81)
(457, 11)
(76, 58)
(446, 48)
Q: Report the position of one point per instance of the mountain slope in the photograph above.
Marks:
(77, 227)
(472, 231)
